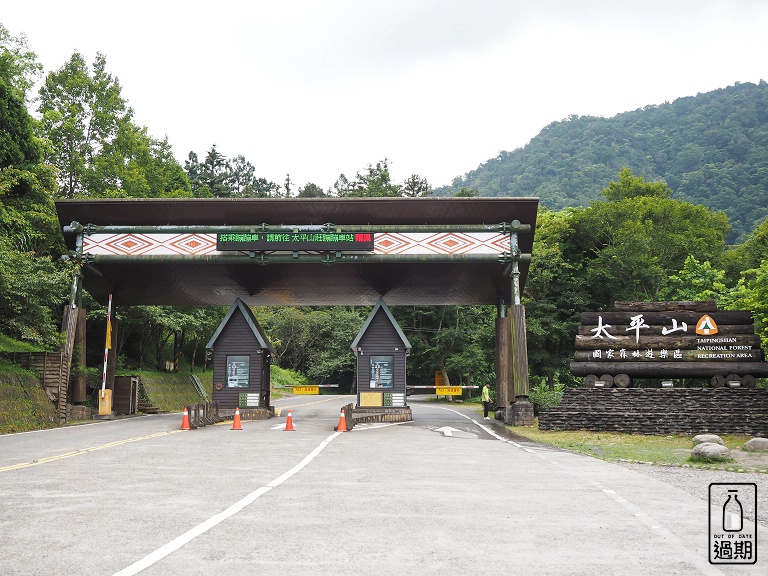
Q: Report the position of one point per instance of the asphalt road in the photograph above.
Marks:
(448, 494)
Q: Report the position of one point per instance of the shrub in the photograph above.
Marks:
(543, 398)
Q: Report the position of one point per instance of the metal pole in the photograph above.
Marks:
(515, 249)
(501, 228)
(305, 258)
(107, 346)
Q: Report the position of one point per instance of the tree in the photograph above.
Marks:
(311, 190)
(343, 188)
(92, 140)
(630, 246)
(333, 362)
(375, 182)
(263, 188)
(18, 146)
(164, 173)
(32, 293)
(241, 177)
(199, 325)
(552, 312)
(18, 64)
(194, 172)
(28, 221)
(696, 281)
(754, 250)
(631, 186)
(751, 293)
(33, 288)
(152, 327)
(81, 118)
(215, 171)
(220, 177)
(294, 331)
(416, 186)
(457, 339)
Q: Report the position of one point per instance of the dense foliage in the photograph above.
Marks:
(711, 149)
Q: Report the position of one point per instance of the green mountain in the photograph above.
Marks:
(711, 149)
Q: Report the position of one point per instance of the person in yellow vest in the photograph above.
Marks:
(486, 398)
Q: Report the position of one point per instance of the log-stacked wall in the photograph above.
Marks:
(666, 345)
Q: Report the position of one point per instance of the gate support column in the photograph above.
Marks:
(79, 391)
(504, 389)
(522, 409)
(520, 413)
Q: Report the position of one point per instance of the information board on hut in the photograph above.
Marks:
(667, 339)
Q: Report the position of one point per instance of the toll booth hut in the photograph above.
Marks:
(242, 354)
(381, 349)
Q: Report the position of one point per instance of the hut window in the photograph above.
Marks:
(238, 370)
(381, 371)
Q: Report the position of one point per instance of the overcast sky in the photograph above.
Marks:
(315, 88)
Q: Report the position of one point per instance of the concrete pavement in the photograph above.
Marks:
(137, 496)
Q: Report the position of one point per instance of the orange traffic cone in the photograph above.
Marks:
(289, 421)
(236, 424)
(185, 420)
(342, 427)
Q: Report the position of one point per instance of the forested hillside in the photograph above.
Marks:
(710, 149)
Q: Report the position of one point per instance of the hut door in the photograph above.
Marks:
(266, 386)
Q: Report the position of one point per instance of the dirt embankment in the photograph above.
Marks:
(24, 405)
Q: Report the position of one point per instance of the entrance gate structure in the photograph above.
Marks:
(315, 252)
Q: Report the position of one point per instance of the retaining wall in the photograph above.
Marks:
(661, 411)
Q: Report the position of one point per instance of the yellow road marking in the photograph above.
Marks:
(126, 441)
(279, 409)
(83, 451)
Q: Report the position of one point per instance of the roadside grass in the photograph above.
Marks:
(282, 379)
(663, 450)
(8, 344)
(170, 392)
(25, 406)
(23, 403)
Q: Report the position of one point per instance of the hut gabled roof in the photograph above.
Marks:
(380, 305)
(253, 324)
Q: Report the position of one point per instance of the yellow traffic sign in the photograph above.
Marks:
(448, 391)
(309, 390)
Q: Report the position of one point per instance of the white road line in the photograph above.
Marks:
(202, 528)
(487, 429)
(373, 426)
(702, 565)
(672, 539)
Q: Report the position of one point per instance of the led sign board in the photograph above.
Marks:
(299, 240)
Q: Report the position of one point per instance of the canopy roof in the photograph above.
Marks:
(212, 280)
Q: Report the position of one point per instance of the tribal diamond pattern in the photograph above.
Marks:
(149, 244)
(385, 243)
(441, 243)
